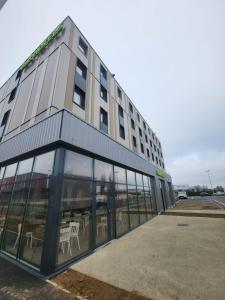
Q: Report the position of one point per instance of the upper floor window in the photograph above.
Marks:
(153, 158)
(132, 123)
(119, 92)
(134, 142)
(140, 132)
(120, 110)
(150, 143)
(103, 92)
(12, 95)
(146, 138)
(103, 73)
(122, 132)
(79, 97)
(81, 69)
(156, 158)
(5, 118)
(138, 117)
(103, 120)
(142, 148)
(19, 73)
(148, 153)
(83, 46)
(144, 124)
(131, 107)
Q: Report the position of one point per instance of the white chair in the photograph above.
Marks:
(75, 231)
(64, 238)
(28, 235)
(102, 225)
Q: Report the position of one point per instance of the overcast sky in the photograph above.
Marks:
(168, 55)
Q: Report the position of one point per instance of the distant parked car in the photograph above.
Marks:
(182, 195)
(219, 193)
(204, 194)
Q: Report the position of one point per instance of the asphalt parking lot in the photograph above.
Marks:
(198, 202)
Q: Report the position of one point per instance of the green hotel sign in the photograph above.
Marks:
(43, 45)
(161, 173)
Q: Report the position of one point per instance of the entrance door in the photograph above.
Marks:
(104, 216)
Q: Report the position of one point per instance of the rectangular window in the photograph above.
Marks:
(18, 75)
(103, 73)
(79, 97)
(140, 132)
(146, 138)
(132, 123)
(148, 154)
(83, 47)
(103, 93)
(134, 142)
(131, 107)
(122, 132)
(103, 120)
(12, 95)
(142, 148)
(5, 118)
(156, 160)
(138, 117)
(144, 124)
(153, 158)
(81, 69)
(150, 143)
(120, 110)
(155, 148)
(119, 92)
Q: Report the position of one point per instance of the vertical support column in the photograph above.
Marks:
(50, 246)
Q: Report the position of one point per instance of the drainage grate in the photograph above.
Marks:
(182, 224)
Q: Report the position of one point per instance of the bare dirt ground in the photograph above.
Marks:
(92, 289)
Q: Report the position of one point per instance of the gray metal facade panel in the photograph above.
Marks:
(39, 135)
(84, 136)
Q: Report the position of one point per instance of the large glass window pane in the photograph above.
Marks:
(148, 201)
(9, 175)
(139, 179)
(131, 177)
(24, 169)
(133, 206)
(103, 171)
(43, 165)
(75, 228)
(141, 202)
(145, 180)
(153, 193)
(5, 196)
(103, 199)
(77, 165)
(120, 175)
(2, 170)
(121, 204)
(35, 219)
(14, 218)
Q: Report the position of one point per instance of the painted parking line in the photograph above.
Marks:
(220, 203)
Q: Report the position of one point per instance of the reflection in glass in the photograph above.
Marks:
(139, 179)
(78, 165)
(120, 175)
(133, 206)
(103, 171)
(153, 193)
(75, 227)
(122, 216)
(103, 198)
(148, 202)
(14, 217)
(141, 202)
(34, 223)
(43, 165)
(9, 174)
(24, 169)
(131, 177)
(5, 196)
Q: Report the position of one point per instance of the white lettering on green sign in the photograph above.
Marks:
(43, 45)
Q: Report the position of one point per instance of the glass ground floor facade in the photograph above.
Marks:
(58, 206)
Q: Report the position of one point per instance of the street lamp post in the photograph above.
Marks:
(210, 181)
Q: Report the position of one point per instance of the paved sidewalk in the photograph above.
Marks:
(18, 284)
(168, 258)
